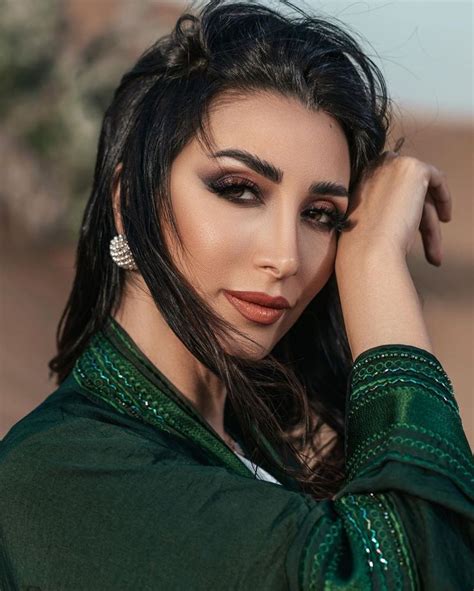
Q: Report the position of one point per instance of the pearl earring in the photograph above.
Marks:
(121, 253)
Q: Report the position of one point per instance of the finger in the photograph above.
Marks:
(439, 191)
(431, 233)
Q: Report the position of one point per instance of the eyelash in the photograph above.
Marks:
(225, 187)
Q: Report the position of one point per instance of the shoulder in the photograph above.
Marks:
(69, 438)
(79, 477)
(68, 431)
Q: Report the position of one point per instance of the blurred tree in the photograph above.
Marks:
(59, 64)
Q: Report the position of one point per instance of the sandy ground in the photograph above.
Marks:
(34, 286)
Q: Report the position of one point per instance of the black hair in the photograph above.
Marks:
(295, 396)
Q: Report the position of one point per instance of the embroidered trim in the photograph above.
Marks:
(354, 466)
(370, 521)
(104, 373)
(382, 435)
(374, 522)
(371, 393)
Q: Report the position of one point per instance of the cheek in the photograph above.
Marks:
(212, 240)
(319, 267)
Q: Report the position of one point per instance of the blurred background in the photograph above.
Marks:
(60, 61)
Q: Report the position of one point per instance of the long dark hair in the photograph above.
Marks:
(294, 398)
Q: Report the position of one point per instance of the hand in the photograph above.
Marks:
(397, 196)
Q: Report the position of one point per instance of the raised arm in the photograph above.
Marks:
(379, 301)
(404, 519)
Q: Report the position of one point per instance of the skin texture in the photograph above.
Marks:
(271, 247)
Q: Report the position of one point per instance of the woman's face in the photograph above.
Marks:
(265, 234)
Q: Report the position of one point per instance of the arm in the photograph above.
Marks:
(393, 201)
(379, 301)
(404, 519)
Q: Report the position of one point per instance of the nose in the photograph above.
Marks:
(278, 248)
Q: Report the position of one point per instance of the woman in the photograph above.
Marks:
(248, 396)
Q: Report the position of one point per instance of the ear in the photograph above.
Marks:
(116, 199)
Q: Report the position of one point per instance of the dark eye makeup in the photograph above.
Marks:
(232, 188)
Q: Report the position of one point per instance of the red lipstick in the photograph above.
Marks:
(257, 306)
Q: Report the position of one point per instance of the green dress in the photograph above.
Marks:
(115, 482)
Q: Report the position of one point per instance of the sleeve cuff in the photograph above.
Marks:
(401, 406)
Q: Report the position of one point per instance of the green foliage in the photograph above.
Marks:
(54, 91)
(28, 43)
(44, 136)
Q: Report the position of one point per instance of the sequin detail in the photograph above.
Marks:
(387, 556)
(375, 371)
(366, 394)
(367, 527)
(405, 383)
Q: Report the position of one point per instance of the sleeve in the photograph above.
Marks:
(404, 519)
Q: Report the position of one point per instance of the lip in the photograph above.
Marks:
(260, 298)
(256, 312)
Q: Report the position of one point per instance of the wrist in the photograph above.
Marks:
(361, 256)
(379, 301)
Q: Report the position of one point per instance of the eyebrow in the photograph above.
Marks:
(275, 174)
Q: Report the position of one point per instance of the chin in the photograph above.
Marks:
(247, 350)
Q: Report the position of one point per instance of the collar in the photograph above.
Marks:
(113, 369)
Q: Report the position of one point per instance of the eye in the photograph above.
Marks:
(321, 214)
(327, 217)
(233, 189)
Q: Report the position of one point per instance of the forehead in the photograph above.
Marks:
(280, 129)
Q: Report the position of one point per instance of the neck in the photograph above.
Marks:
(138, 315)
